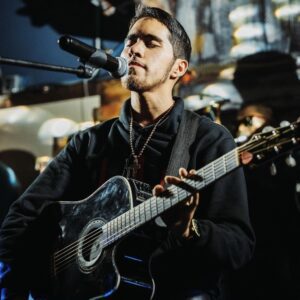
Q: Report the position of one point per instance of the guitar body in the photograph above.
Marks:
(83, 267)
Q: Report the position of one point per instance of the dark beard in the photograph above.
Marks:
(133, 84)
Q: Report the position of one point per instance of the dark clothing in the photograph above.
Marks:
(274, 270)
(226, 240)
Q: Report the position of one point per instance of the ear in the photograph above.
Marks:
(179, 68)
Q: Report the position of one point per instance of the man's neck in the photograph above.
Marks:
(147, 107)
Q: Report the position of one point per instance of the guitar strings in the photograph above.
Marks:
(91, 237)
(107, 241)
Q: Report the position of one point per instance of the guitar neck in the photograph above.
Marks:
(156, 205)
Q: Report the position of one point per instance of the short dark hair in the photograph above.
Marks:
(178, 37)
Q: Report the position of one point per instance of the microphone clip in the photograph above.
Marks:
(87, 71)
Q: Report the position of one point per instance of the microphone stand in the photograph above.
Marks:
(83, 71)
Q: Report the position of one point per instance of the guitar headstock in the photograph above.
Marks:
(270, 144)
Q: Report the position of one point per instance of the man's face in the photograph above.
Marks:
(149, 54)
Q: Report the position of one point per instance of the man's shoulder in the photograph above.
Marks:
(101, 128)
(93, 136)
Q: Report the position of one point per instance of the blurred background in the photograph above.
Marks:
(244, 74)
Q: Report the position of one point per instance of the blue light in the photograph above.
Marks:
(133, 258)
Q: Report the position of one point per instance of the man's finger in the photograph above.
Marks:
(157, 190)
(192, 172)
(172, 179)
(183, 172)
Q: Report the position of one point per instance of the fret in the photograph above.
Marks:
(147, 210)
(207, 173)
(227, 162)
(119, 226)
(237, 158)
(219, 168)
(156, 205)
(177, 193)
(108, 229)
(200, 184)
(104, 233)
(213, 173)
(231, 160)
(122, 221)
(137, 218)
(161, 199)
(159, 204)
(224, 164)
(167, 202)
(153, 207)
(114, 229)
(142, 212)
(174, 199)
(127, 219)
(131, 217)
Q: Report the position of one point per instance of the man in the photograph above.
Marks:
(205, 235)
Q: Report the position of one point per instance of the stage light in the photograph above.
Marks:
(242, 13)
(287, 11)
(247, 48)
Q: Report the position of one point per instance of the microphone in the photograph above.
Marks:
(117, 66)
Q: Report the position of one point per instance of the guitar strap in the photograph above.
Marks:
(180, 155)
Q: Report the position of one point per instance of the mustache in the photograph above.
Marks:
(134, 61)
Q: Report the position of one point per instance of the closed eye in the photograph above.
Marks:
(149, 40)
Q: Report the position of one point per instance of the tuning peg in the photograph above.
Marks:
(241, 139)
(267, 129)
(290, 161)
(284, 123)
(273, 169)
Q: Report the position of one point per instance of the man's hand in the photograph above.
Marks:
(179, 218)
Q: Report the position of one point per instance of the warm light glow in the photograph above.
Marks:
(85, 125)
(57, 127)
(196, 102)
(287, 11)
(225, 90)
(14, 115)
(255, 30)
(227, 73)
(280, 1)
(246, 48)
(242, 13)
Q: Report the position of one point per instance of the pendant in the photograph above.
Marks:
(132, 167)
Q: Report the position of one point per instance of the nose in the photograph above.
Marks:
(137, 49)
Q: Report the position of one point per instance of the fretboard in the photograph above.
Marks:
(156, 205)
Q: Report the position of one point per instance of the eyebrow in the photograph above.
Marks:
(143, 37)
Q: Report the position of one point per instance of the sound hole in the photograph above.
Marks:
(89, 247)
(91, 244)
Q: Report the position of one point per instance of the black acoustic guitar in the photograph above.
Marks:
(94, 257)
